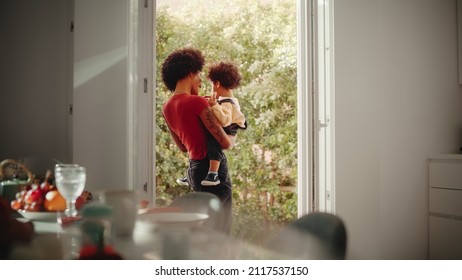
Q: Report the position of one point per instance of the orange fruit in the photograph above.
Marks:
(54, 201)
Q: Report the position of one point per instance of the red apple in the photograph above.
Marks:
(79, 202)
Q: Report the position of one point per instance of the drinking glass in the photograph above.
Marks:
(70, 181)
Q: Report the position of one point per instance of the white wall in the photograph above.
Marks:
(100, 92)
(397, 101)
(35, 79)
(44, 68)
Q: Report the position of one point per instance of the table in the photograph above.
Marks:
(147, 242)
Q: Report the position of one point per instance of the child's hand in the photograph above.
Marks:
(211, 99)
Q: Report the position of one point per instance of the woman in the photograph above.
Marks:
(191, 120)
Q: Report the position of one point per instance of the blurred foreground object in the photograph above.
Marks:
(96, 230)
(317, 236)
(12, 231)
(204, 203)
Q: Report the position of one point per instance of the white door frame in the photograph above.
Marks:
(315, 83)
(306, 139)
(140, 99)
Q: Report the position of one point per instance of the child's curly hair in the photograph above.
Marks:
(226, 73)
(179, 64)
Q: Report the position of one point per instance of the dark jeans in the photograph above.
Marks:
(198, 170)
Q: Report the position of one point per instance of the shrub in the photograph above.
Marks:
(260, 37)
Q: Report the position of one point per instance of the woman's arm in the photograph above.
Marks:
(212, 125)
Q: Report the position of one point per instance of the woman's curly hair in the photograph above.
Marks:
(179, 64)
(226, 73)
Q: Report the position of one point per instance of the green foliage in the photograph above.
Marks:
(260, 37)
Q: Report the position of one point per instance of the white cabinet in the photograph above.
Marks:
(445, 207)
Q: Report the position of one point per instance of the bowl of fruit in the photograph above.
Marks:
(42, 201)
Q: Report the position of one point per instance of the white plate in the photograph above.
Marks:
(39, 216)
(174, 218)
(152, 256)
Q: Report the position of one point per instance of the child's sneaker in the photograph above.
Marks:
(211, 180)
(182, 181)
